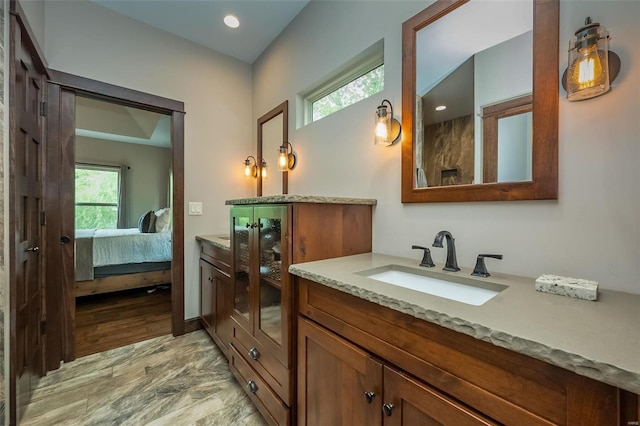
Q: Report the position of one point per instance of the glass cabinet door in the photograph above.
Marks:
(242, 227)
(273, 275)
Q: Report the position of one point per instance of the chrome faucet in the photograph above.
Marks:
(452, 263)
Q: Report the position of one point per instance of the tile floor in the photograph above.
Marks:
(162, 381)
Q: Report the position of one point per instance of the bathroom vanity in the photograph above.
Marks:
(401, 356)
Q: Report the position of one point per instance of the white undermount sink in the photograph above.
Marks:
(460, 288)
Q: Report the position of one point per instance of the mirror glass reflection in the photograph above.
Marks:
(272, 138)
(473, 105)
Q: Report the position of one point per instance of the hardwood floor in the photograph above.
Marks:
(163, 381)
(113, 320)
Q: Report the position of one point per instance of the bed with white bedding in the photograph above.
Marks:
(115, 259)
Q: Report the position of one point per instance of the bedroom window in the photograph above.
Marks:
(97, 196)
(356, 80)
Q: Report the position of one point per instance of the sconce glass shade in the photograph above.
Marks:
(587, 74)
(286, 159)
(250, 170)
(387, 128)
(263, 169)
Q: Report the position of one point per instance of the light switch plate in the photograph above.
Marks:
(195, 208)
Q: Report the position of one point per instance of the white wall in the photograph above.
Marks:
(592, 231)
(87, 40)
(146, 180)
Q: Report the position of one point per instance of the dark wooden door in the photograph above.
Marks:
(338, 383)
(59, 206)
(26, 167)
(408, 402)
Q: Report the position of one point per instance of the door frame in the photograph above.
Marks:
(76, 85)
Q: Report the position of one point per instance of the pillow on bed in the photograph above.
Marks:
(147, 222)
(163, 220)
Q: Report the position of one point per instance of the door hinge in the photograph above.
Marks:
(43, 108)
(43, 218)
(43, 327)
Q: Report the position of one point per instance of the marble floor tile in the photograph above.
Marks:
(162, 381)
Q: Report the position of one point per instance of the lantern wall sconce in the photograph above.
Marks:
(591, 67)
(388, 128)
(286, 159)
(250, 170)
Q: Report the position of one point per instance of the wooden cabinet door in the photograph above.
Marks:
(224, 302)
(242, 265)
(272, 290)
(338, 383)
(207, 296)
(408, 402)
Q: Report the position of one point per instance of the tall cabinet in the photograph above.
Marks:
(265, 239)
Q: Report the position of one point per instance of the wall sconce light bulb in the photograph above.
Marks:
(263, 169)
(381, 129)
(283, 161)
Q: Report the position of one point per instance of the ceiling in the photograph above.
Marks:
(109, 121)
(201, 21)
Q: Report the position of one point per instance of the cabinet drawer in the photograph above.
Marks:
(272, 371)
(270, 406)
(216, 256)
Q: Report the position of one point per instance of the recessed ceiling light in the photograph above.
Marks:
(441, 107)
(231, 21)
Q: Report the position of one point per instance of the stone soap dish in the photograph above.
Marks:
(566, 286)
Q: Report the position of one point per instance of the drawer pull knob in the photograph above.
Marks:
(254, 354)
(369, 396)
(387, 409)
(33, 249)
(253, 388)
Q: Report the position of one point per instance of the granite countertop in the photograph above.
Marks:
(600, 339)
(290, 198)
(221, 241)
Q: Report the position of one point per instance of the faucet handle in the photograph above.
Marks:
(426, 258)
(481, 270)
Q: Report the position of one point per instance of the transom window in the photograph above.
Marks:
(357, 80)
(97, 196)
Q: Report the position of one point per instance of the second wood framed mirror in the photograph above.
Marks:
(474, 70)
(273, 131)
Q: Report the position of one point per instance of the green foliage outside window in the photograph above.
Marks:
(96, 198)
(362, 87)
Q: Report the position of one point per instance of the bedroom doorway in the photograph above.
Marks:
(121, 153)
(122, 225)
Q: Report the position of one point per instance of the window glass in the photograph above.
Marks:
(361, 88)
(97, 189)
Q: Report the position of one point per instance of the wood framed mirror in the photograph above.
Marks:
(273, 131)
(447, 56)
